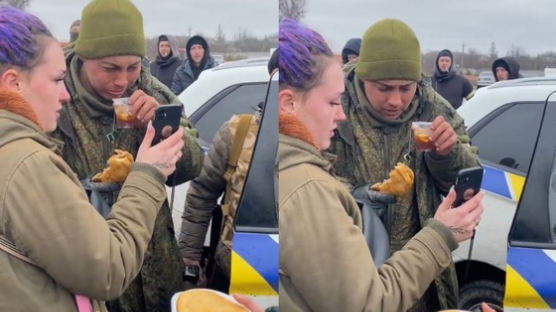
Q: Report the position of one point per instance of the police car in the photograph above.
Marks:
(513, 261)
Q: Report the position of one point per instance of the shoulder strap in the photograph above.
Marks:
(12, 250)
(239, 138)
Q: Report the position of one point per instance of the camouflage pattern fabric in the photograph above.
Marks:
(85, 125)
(368, 147)
(205, 190)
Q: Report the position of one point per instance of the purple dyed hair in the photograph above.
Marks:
(301, 52)
(20, 34)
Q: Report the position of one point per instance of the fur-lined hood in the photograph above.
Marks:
(18, 121)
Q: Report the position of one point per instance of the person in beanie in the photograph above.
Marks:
(453, 87)
(350, 52)
(198, 59)
(385, 92)
(165, 65)
(506, 68)
(325, 263)
(105, 63)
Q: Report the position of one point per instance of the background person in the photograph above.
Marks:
(46, 215)
(452, 86)
(325, 263)
(74, 30)
(506, 68)
(165, 65)
(198, 59)
(350, 52)
(105, 63)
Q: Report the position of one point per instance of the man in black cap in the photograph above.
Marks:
(453, 87)
(165, 65)
(198, 59)
(505, 68)
(74, 30)
(350, 52)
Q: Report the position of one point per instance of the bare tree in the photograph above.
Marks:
(22, 4)
(294, 9)
(493, 53)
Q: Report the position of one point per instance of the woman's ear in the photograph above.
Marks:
(286, 99)
(10, 80)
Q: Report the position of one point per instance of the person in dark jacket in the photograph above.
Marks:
(350, 52)
(506, 68)
(165, 65)
(449, 84)
(198, 59)
(74, 30)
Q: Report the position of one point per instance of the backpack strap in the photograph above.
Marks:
(83, 304)
(12, 250)
(239, 139)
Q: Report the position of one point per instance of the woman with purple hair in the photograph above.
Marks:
(53, 243)
(325, 264)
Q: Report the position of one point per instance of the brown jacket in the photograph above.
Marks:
(325, 264)
(45, 212)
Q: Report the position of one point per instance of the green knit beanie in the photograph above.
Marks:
(110, 28)
(389, 50)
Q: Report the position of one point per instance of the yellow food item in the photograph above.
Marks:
(118, 168)
(399, 182)
(422, 137)
(206, 300)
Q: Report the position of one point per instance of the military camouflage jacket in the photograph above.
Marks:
(368, 147)
(86, 126)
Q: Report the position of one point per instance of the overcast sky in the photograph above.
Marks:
(439, 24)
(175, 17)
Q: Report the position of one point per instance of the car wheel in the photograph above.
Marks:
(474, 293)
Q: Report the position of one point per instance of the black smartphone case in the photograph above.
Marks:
(166, 115)
(469, 178)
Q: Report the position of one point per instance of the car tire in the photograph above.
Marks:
(474, 293)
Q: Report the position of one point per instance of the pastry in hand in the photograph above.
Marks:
(118, 168)
(398, 184)
(205, 300)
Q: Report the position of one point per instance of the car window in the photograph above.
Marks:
(258, 208)
(237, 99)
(502, 142)
(534, 223)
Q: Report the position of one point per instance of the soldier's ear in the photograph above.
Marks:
(286, 101)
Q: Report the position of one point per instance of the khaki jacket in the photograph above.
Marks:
(45, 212)
(325, 264)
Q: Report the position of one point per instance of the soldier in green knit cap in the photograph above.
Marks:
(385, 93)
(105, 63)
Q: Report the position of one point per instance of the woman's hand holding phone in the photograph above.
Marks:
(163, 155)
(463, 219)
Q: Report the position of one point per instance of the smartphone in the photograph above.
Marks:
(468, 183)
(166, 121)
